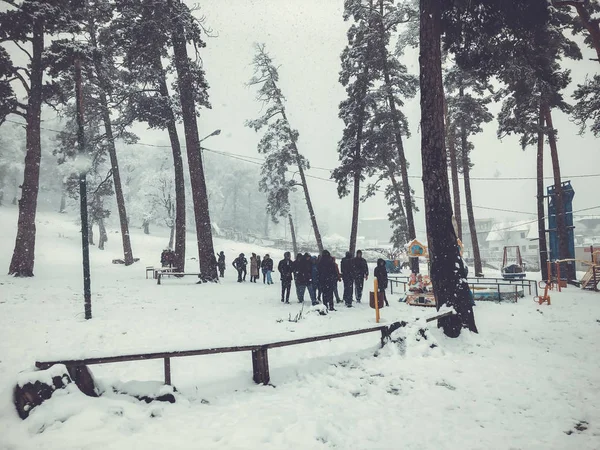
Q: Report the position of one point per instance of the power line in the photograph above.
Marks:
(590, 175)
(258, 161)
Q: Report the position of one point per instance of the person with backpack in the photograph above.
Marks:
(361, 273)
(240, 263)
(221, 264)
(347, 267)
(328, 278)
(267, 269)
(285, 268)
(382, 279)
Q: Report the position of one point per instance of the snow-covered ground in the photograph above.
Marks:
(525, 382)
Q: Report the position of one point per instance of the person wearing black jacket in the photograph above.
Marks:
(286, 268)
(267, 268)
(240, 263)
(328, 278)
(303, 275)
(347, 268)
(221, 264)
(361, 273)
(382, 278)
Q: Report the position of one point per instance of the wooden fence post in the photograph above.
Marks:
(168, 371)
(260, 366)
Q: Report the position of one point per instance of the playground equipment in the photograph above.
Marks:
(514, 270)
(541, 299)
(568, 269)
(591, 279)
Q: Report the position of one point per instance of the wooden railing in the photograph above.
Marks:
(260, 361)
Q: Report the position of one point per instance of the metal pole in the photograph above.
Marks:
(87, 292)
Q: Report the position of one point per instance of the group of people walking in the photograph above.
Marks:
(319, 276)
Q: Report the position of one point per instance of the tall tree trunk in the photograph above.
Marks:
(83, 200)
(103, 238)
(355, 209)
(22, 262)
(541, 195)
(63, 201)
(180, 219)
(311, 211)
(293, 233)
(398, 198)
(561, 223)
(408, 201)
(469, 200)
(453, 172)
(206, 252)
(443, 250)
(172, 238)
(110, 140)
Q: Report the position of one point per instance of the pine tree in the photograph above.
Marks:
(193, 91)
(467, 100)
(279, 143)
(534, 87)
(141, 37)
(358, 75)
(448, 285)
(27, 25)
(587, 108)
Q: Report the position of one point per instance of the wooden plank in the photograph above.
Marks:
(439, 316)
(145, 356)
(323, 338)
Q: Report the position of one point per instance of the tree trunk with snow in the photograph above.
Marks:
(206, 253)
(180, 215)
(469, 201)
(103, 238)
(23, 258)
(541, 195)
(110, 140)
(293, 234)
(444, 254)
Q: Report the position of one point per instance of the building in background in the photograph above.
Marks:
(483, 227)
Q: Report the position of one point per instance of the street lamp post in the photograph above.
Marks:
(214, 133)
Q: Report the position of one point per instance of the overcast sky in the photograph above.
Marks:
(305, 39)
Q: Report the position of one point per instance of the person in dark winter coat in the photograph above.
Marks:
(285, 268)
(314, 287)
(328, 278)
(303, 275)
(241, 263)
(382, 278)
(221, 264)
(267, 269)
(348, 278)
(361, 273)
(258, 267)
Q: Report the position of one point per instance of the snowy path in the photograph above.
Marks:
(530, 376)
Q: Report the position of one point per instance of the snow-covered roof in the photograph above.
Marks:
(500, 230)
